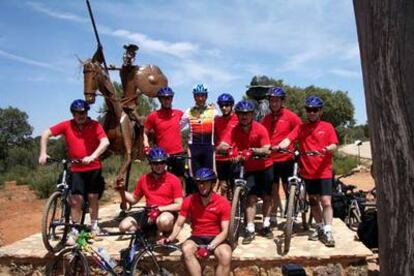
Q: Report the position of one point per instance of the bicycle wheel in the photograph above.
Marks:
(289, 217)
(55, 221)
(353, 219)
(236, 217)
(145, 264)
(69, 262)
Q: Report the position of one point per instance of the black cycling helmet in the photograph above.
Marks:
(313, 101)
(244, 106)
(79, 105)
(225, 99)
(157, 155)
(165, 92)
(205, 174)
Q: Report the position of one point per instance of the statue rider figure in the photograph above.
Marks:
(127, 74)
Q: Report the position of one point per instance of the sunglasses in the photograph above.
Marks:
(158, 163)
(312, 109)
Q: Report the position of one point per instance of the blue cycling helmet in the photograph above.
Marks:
(225, 99)
(244, 106)
(205, 174)
(79, 105)
(157, 155)
(165, 92)
(276, 92)
(313, 101)
(200, 89)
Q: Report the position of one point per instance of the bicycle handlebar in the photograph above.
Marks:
(50, 160)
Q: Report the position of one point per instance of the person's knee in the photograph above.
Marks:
(76, 201)
(165, 221)
(223, 254)
(188, 249)
(127, 224)
(313, 201)
(326, 202)
(251, 200)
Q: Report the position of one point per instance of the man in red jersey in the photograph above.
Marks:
(86, 140)
(317, 136)
(209, 214)
(162, 190)
(279, 123)
(164, 125)
(251, 135)
(222, 125)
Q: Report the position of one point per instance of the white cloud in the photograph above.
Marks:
(29, 61)
(346, 73)
(179, 49)
(60, 15)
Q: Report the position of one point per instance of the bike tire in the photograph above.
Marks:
(69, 262)
(289, 217)
(145, 263)
(236, 217)
(55, 210)
(354, 220)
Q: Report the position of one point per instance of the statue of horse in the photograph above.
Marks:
(125, 135)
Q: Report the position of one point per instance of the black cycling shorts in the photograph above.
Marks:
(319, 186)
(204, 240)
(176, 165)
(260, 183)
(225, 170)
(201, 156)
(282, 171)
(90, 182)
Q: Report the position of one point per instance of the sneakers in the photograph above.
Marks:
(316, 234)
(328, 239)
(267, 232)
(248, 238)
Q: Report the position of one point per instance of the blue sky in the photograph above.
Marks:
(220, 43)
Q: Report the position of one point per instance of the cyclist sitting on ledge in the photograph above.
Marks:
(246, 135)
(162, 190)
(209, 214)
(86, 140)
(317, 135)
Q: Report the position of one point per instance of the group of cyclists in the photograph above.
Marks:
(211, 137)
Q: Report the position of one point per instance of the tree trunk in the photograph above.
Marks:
(386, 40)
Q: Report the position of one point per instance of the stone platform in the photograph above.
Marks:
(261, 257)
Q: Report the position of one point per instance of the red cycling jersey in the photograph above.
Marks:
(166, 126)
(311, 137)
(222, 125)
(161, 192)
(256, 137)
(81, 143)
(206, 220)
(279, 127)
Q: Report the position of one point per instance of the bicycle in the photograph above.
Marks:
(137, 259)
(296, 201)
(55, 223)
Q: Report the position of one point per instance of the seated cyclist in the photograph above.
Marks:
(162, 190)
(251, 135)
(209, 214)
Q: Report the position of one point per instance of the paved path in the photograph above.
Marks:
(352, 149)
(31, 248)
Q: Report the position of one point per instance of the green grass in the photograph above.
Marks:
(344, 163)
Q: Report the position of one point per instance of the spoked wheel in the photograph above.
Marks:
(69, 262)
(237, 216)
(55, 221)
(353, 220)
(145, 264)
(289, 217)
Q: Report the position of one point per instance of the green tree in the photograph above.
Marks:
(15, 131)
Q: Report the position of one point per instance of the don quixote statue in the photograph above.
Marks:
(121, 121)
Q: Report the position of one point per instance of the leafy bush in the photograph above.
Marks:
(344, 163)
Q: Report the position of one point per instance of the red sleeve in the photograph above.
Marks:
(296, 121)
(293, 135)
(264, 135)
(100, 132)
(177, 187)
(138, 193)
(226, 212)
(185, 207)
(59, 128)
(149, 122)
